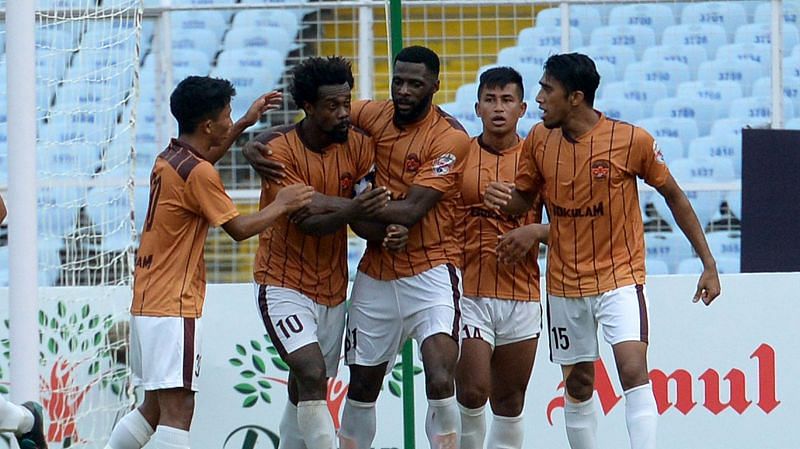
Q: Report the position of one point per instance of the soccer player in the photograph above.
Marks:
(420, 155)
(587, 166)
(301, 264)
(24, 421)
(186, 196)
(500, 312)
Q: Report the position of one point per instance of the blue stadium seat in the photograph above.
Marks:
(268, 17)
(703, 170)
(260, 58)
(51, 65)
(524, 126)
(760, 33)
(721, 92)
(620, 109)
(690, 265)
(655, 266)
(512, 56)
(655, 16)
(701, 110)
(214, 21)
(467, 95)
(706, 203)
(607, 71)
(734, 200)
(109, 210)
(742, 71)
(757, 109)
(56, 37)
(708, 36)
(227, 14)
(791, 89)
(671, 148)
(793, 124)
(638, 38)
(725, 244)
(548, 36)
(141, 199)
(791, 67)
(681, 128)
(791, 13)
(729, 15)
(669, 247)
(722, 146)
(194, 61)
(250, 83)
(202, 40)
(465, 114)
(644, 92)
(49, 251)
(620, 57)
(729, 265)
(291, 5)
(691, 55)
(4, 266)
(734, 126)
(274, 38)
(669, 73)
(57, 210)
(92, 94)
(583, 17)
(759, 53)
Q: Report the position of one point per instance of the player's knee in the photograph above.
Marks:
(472, 395)
(439, 383)
(311, 377)
(365, 383)
(508, 405)
(176, 410)
(632, 374)
(580, 384)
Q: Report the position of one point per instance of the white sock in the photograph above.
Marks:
(14, 418)
(289, 430)
(641, 416)
(171, 438)
(131, 432)
(316, 424)
(442, 423)
(581, 423)
(358, 425)
(473, 427)
(506, 432)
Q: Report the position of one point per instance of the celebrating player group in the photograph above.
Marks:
(453, 228)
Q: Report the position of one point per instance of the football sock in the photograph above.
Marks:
(167, 437)
(581, 424)
(316, 424)
(14, 418)
(473, 427)
(442, 423)
(641, 416)
(289, 430)
(358, 425)
(506, 432)
(131, 432)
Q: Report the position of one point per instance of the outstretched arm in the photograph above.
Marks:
(708, 287)
(288, 200)
(264, 103)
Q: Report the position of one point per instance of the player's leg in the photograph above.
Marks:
(307, 366)
(442, 423)
(573, 345)
(290, 436)
(134, 430)
(623, 314)
(176, 409)
(372, 340)
(473, 371)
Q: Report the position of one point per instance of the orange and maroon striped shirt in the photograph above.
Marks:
(286, 257)
(589, 184)
(429, 153)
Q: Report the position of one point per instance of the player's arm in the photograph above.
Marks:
(262, 104)
(327, 214)
(3, 210)
(708, 288)
(410, 210)
(513, 246)
(505, 197)
(258, 155)
(287, 200)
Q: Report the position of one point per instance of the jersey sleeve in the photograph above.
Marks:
(205, 190)
(365, 156)
(363, 114)
(529, 178)
(649, 161)
(443, 167)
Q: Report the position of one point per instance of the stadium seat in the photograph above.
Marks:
(759, 33)
(725, 244)
(729, 15)
(791, 13)
(669, 73)
(55, 37)
(703, 170)
(729, 265)
(681, 128)
(531, 74)
(793, 124)
(524, 126)
(701, 110)
(759, 53)
(606, 70)
(57, 210)
(742, 71)
(758, 109)
(671, 148)
(198, 39)
(465, 114)
(214, 21)
(708, 36)
(548, 36)
(721, 92)
(644, 92)
(467, 95)
(49, 251)
(250, 84)
(655, 16)
(260, 58)
(656, 266)
(620, 57)
(51, 65)
(513, 56)
(291, 5)
(68, 159)
(722, 146)
(4, 266)
(583, 17)
(791, 89)
(141, 198)
(227, 14)
(791, 67)
(268, 18)
(620, 109)
(668, 247)
(734, 200)
(691, 55)
(638, 38)
(706, 203)
(690, 265)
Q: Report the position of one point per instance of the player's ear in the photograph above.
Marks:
(436, 85)
(576, 98)
(523, 108)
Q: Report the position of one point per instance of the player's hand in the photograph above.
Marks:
(257, 154)
(319, 207)
(294, 197)
(267, 102)
(497, 194)
(396, 237)
(371, 200)
(513, 246)
(708, 287)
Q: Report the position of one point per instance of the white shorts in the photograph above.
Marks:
(293, 320)
(383, 314)
(165, 352)
(622, 313)
(500, 321)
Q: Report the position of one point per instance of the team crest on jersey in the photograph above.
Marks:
(346, 181)
(657, 151)
(444, 164)
(412, 163)
(600, 169)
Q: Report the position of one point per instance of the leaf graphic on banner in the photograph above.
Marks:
(265, 397)
(264, 384)
(245, 388)
(256, 345)
(258, 363)
(280, 364)
(395, 389)
(250, 401)
(235, 362)
(240, 349)
(248, 374)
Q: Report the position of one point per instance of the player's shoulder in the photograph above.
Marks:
(276, 134)
(371, 107)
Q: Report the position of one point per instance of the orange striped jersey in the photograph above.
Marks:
(186, 195)
(429, 153)
(483, 275)
(286, 257)
(589, 183)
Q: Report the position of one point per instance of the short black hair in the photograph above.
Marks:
(575, 71)
(420, 55)
(199, 98)
(500, 77)
(312, 73)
